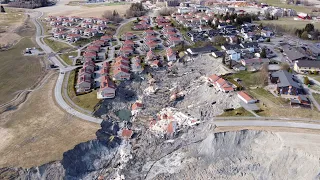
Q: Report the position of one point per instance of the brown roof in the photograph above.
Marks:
(214, 77)
(126, 133)
(245, 96)
(136, 106)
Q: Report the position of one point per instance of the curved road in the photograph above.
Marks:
(63, 67)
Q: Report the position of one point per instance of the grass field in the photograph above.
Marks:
(289, 23)
(92, 5)
(11, 16)
(127, 28)
(66, 58)
(17, 71)
(237, 112)
(283, 5)
(39, 132)
(56, 45)
(87, 101)
(247, 78)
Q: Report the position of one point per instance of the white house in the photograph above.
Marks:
(107, 88)
(246, 98)
(233, 55)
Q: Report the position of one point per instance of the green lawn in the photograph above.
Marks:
(66, 58)
(17, 71)
(237, 112)
(56, 45)
(87, 101)
(265, 95)
(247, 78)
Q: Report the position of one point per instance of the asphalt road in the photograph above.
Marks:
(63, 68)
(262, 123)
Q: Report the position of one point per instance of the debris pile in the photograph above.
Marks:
(169, 121)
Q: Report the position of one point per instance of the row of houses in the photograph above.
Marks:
(107, 88)
(85, 81)
(220, 83)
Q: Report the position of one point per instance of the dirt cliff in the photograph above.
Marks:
(196, 153)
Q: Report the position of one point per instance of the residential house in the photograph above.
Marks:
(224, 85)
(121, 64)
(238, 67)
(266, 33)
(136, 65)
(128, 43)
(74, 18)
(122, 58)
(84, 83)
(60, 35)
(286, 83)
(149, 32)
(151, 45)
(86, 25)
(301, 101)
(77, 30)
(99, 27)
(293, 54)
(174, 40)
(73, 37)
(245, 97)
(248, 45)
(136, 107)
(155, 64)
(90, 55)
(58, 29)
(150, 38)
(86, 70)
(150, 56)
(55, 23)
(93, 48)
(107, 88)
(120, 74)
(105, 69)
(67, 23)
(100, 43)
(103, 21)
(313, 51)
(168, 29)
(126, 134)
(220, 84)
(233, 55)
(254, 61)
(140, 27)
(171, 55)
(217, 54)
(128, 36)
(231, 47)
(62, 18)
(201, 50)
(106, 38)
(90, 32)
(126, 50)
(307, 66)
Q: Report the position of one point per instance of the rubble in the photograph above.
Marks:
(169, 121)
